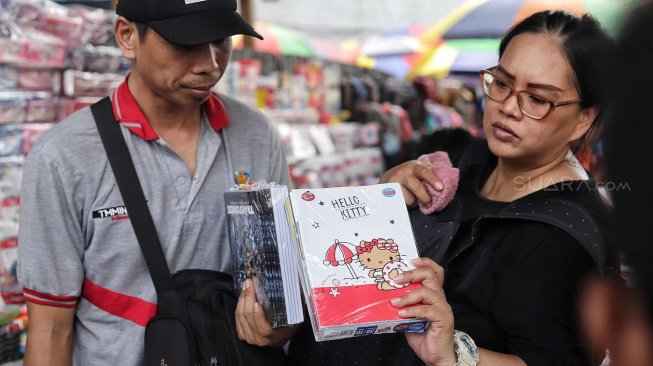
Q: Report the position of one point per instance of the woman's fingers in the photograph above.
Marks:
(427, 272)
(410, 175)
(413, 185)
(435, 346)
(425, 303)
(440, 313)
(428, 301)
(425, 173)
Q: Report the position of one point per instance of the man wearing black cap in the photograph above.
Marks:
(88, 289)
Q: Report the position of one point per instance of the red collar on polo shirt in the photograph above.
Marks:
(129, 114)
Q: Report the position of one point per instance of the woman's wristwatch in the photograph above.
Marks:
(465, 348)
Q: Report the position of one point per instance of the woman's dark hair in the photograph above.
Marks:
(586, 46)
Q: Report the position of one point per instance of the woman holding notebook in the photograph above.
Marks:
(506, 257)
(503, 260)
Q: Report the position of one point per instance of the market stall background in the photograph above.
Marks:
(353, 87)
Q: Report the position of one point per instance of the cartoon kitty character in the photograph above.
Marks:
(382, 258)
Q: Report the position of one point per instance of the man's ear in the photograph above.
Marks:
(126, 37)
(585, 121)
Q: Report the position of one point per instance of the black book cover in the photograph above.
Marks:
(254, 250)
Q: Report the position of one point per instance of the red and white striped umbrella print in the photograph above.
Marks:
(340, 254)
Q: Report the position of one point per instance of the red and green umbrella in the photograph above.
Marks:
(344, 52)
(280, 41)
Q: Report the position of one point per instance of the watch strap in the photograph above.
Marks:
(465, 348)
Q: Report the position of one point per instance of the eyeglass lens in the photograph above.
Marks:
(530, 104)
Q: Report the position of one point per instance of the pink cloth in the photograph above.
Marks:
(441, 166)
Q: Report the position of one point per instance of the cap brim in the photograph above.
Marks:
(202, 27)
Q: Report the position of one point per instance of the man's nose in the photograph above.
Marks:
(206, 59)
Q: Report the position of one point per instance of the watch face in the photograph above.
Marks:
(469, 345)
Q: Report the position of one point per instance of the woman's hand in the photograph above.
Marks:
(251, 324)
(435, 345)
(410, 175)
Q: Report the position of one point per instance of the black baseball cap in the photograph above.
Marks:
(188, 22)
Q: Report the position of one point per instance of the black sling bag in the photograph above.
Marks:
(195, 320)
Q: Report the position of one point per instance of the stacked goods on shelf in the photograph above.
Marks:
(10, 179)
(40, 41)
(310, 87)
(54, 60)
(13, 322)
(333, 155)
(240, 81)
(302, 102)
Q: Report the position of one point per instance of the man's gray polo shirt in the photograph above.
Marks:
(77, 247)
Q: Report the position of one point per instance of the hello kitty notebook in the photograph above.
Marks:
(352, 242)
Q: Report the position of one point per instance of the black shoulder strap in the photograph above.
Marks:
(571, 218)
(132, 193)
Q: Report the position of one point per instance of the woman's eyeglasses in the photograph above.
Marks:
(532, 105)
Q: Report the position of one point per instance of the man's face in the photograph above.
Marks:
(180, 75)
